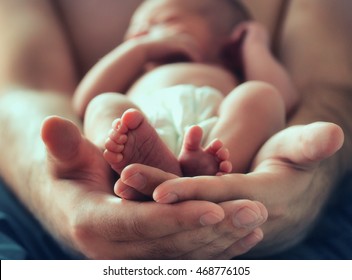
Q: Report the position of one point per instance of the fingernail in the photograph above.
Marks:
(209, 219)
(246, 218)
(168, 198)
(137, 181)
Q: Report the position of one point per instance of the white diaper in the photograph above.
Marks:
(173, 110)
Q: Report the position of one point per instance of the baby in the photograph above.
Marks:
(174, 94)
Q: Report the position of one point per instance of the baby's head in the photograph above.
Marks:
(209, 22)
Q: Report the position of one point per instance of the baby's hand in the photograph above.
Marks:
(166, 44)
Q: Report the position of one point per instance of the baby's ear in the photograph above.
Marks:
(239, 31)
(232, 55)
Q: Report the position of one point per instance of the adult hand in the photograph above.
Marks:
(286, 177)
(100, 225)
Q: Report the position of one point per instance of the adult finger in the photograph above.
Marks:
(303, 145)
(232, 237)
(128, 229)
(294, 149)
(123, 220)
(211, 188)
(168, 188)
(238, 232)
(140, 179)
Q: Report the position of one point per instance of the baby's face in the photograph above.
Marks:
(157, 16)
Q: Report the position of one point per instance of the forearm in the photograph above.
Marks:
(37, 79)
(121, 67)
(23, 156)
(35, 68)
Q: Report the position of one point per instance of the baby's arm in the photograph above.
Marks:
(116, 71)
(260, 64)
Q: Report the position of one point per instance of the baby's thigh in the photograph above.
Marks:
(257, 105)
(253, 97)
(109, 103)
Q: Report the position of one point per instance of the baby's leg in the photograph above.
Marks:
(261, 65)
(100, 114)
(248, 116)
(133, 140)
(196, 160)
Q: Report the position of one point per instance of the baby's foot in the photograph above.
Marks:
(133, 140)
(196, 161)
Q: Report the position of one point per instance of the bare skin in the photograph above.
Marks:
(293, 196)
(85, 216)
(130, 139)
(196, 160)
(134, 140)
(81, 31)
(241, 131)
(75, 157)
(294, 153)
(290, 180)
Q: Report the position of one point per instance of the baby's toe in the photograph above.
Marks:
(223, 154)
